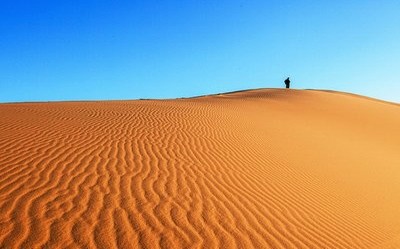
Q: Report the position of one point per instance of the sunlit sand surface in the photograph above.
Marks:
(268, 168)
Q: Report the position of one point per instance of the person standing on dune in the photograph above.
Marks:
(287, 82)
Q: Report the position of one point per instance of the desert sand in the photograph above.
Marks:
(266, 168)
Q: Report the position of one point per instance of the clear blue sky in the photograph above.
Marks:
(94, 49)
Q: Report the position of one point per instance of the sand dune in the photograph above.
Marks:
(266, 168)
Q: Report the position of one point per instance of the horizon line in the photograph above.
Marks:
(202, 95)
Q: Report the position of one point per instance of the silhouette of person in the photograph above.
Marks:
(287, 82)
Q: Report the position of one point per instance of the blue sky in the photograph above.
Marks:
(87, 50)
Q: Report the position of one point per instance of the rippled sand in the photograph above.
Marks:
(268, 168)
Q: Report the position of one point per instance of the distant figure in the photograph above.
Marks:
(287, 82)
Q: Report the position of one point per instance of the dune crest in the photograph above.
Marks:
(268, 168)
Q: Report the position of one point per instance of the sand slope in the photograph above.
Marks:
(256, 169)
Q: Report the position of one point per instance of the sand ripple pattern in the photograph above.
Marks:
(254, 169)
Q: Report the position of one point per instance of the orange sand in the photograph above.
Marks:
(255, 169)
